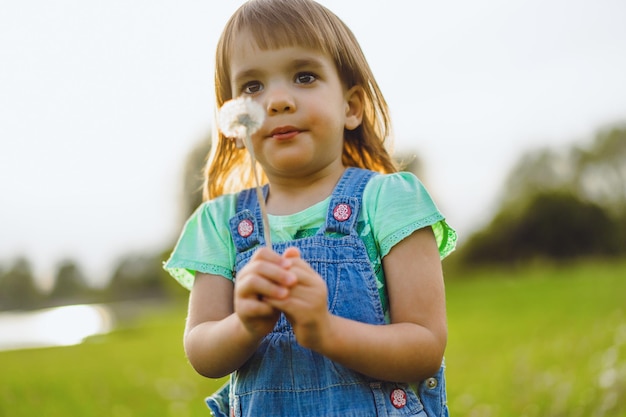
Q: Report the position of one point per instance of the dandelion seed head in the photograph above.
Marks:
(240, 117)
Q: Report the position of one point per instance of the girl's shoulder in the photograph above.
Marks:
(221, 206)
(397, 204)
(402, 182)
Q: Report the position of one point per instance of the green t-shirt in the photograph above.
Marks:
(394, 206)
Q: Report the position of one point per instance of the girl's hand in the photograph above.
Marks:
(265, 278)
(306, 306)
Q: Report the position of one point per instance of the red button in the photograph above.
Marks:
(245, 228)
(398, 398)
(342, 212)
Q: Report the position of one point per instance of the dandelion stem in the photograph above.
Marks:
(259, 192)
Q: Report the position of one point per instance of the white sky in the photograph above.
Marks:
(100, 102)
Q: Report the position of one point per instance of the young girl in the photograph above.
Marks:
(346, 310)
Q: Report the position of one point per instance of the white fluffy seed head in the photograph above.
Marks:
(240, 117)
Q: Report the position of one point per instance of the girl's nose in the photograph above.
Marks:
(280, 102)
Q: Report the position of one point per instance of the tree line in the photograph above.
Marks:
(559, 204)
(134, 277)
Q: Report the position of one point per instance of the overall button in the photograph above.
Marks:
(342, 212)
(431, 383)
(398, 398)
(245, 228)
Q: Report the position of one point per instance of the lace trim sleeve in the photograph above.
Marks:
(185, 271)
(445, 236)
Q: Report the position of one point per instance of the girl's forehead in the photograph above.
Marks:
(246, 49)
(263, 36)
(243, 43)
(247, 40)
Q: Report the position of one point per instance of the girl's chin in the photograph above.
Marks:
(285, 159)
(288, 167)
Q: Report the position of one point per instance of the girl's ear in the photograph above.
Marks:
(355, 102)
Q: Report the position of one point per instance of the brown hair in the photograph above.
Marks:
(305, 23)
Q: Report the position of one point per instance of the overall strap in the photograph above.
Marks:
(345, 202)
(246, 227)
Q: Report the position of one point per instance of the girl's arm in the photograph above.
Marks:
(225, 323)
(411, 347)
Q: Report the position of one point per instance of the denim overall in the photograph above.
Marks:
(284, 379)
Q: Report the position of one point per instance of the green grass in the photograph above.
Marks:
(136, 371)
(537, 341)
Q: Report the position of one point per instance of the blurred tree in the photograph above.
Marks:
(596, 173)
(562, 226)
(69, 283)
(137, 276)
(555, 226)
(560, 205)
(17, 287)
(538, 172)
(601, 170)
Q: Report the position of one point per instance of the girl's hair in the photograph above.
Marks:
(303, 23)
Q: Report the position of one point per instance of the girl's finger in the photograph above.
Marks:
(271, 271)
(291, 252)
(269, 255)
(256, 286)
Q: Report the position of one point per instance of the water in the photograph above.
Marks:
(59, 326)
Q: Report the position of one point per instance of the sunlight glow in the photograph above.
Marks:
(60, 326)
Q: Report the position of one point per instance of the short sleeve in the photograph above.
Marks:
(205, 244)
(397, 205)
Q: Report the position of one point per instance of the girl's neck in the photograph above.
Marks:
(290, 195)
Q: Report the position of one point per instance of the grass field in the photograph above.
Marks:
(537, 341)
(541, 341)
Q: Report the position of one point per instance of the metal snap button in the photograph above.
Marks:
(342, 212)
(398, 398)
(431, 383)
(245, 228)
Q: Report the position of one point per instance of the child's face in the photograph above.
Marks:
(307, 106)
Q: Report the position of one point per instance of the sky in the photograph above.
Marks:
(100, 103)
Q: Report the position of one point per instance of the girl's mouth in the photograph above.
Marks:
(284, 133)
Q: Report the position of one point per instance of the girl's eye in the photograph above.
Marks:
(251, 87)
(305, 78)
